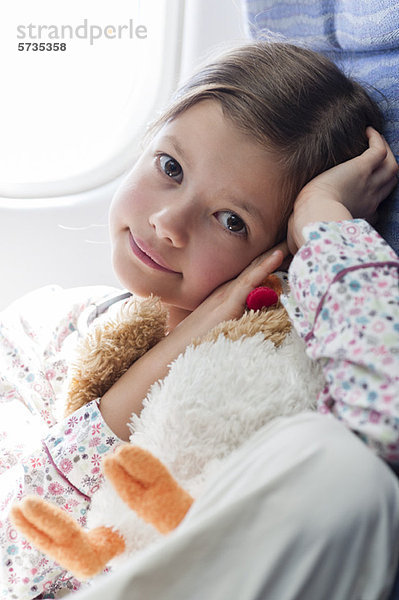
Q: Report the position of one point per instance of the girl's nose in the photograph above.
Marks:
(170, 226)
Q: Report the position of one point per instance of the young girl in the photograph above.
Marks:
(211, 194)
(304, 510)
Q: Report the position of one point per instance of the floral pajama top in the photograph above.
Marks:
(59, 462)
(344, 302)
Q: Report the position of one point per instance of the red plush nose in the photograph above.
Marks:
(261, 297)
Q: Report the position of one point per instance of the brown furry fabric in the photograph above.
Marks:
(112, 345)
(273, 323)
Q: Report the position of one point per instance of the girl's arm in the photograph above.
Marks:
(345, 300)
(345, 304)
(353, 189)
(226, 302)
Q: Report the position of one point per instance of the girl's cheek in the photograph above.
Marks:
(210, 272)
(130, 197)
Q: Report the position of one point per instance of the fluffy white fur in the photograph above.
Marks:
(214, 398)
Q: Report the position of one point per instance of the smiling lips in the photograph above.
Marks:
(147, 255)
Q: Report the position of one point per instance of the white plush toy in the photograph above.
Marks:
(217, 394)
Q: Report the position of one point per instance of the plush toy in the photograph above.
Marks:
(217, 394)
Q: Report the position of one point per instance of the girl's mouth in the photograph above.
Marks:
(147, 255)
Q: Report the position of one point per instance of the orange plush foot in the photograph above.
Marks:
(147, 487)
(56, 533)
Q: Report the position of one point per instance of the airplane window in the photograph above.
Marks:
(79, 83)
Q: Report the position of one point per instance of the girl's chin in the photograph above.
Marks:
(139, 288)
(144, 287)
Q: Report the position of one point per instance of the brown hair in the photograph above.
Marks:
(293, 101)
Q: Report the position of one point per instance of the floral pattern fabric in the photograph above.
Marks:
(345, 303)
(42, 453)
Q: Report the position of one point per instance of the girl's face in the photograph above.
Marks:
(198, 206)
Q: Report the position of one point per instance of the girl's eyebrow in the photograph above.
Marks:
(178, 148)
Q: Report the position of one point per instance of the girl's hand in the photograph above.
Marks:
(353, 189)
(228, 300)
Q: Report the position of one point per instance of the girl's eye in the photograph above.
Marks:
(232, 222)
(171, 167)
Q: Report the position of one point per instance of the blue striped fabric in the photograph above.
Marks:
(362, 37)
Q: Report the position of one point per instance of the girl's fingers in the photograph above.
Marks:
(384, 178)
(390, 162)
(261, 267)
(229, 300)
(380, 163)
(379, 153)
(270, 256)
(387, 188)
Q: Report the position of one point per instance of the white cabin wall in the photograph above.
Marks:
(64, 240)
